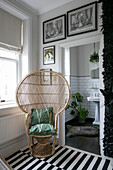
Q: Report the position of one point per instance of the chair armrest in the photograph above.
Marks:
(56, 122)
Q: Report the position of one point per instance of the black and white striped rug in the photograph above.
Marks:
(64, 158)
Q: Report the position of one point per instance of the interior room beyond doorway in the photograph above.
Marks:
(82, 82)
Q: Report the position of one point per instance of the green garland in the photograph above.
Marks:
(107, 29)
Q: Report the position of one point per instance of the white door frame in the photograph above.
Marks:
(79, 42)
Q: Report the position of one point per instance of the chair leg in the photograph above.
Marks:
(54, 142)
(29, 143)
(42, 148)
(33, 141)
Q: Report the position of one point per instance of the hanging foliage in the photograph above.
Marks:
(107, 29)
(94, 57)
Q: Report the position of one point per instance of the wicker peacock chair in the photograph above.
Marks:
(37, 92)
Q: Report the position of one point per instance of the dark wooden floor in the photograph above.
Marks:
(90, 144)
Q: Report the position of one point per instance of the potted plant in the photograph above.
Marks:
(77, 108)
(94, 57)
(94, 60)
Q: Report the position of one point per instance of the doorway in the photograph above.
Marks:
(82, 82)
(79, 43)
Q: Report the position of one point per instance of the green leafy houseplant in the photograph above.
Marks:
(94, 57)
(77, 107)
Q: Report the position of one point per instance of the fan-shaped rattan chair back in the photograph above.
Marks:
(38, 90)
(43, 89)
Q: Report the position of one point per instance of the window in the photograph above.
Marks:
(9, 69)
(15, 36)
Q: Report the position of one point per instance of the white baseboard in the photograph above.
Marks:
(13, 145)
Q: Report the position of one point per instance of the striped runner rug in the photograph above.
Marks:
(65, 158)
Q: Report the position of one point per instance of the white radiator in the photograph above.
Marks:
(11, 127)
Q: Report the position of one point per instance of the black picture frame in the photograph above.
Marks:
(49, 55)
(54, 29)
(82, 20)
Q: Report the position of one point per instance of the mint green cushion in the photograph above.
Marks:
(42, 129)
(41, 116)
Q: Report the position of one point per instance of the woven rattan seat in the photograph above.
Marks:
(42, 89)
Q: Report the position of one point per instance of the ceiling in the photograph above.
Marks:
(42, 6)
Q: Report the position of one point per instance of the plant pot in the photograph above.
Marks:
(81, 120)
(94, 65)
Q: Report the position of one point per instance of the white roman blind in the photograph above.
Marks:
(10, 31)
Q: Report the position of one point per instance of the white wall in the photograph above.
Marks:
(69, 40)
(83, 86)
(57, 12)
(31, 49)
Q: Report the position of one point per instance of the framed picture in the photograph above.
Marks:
(82, 20)
(45, 77)
(49, 55)
(54, 29)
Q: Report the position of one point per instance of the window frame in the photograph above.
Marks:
(27, 42)
(18, 65)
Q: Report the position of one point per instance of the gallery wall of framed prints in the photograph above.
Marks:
(76, 21)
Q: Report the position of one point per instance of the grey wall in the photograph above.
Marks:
(79, 59)
(74, 61)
